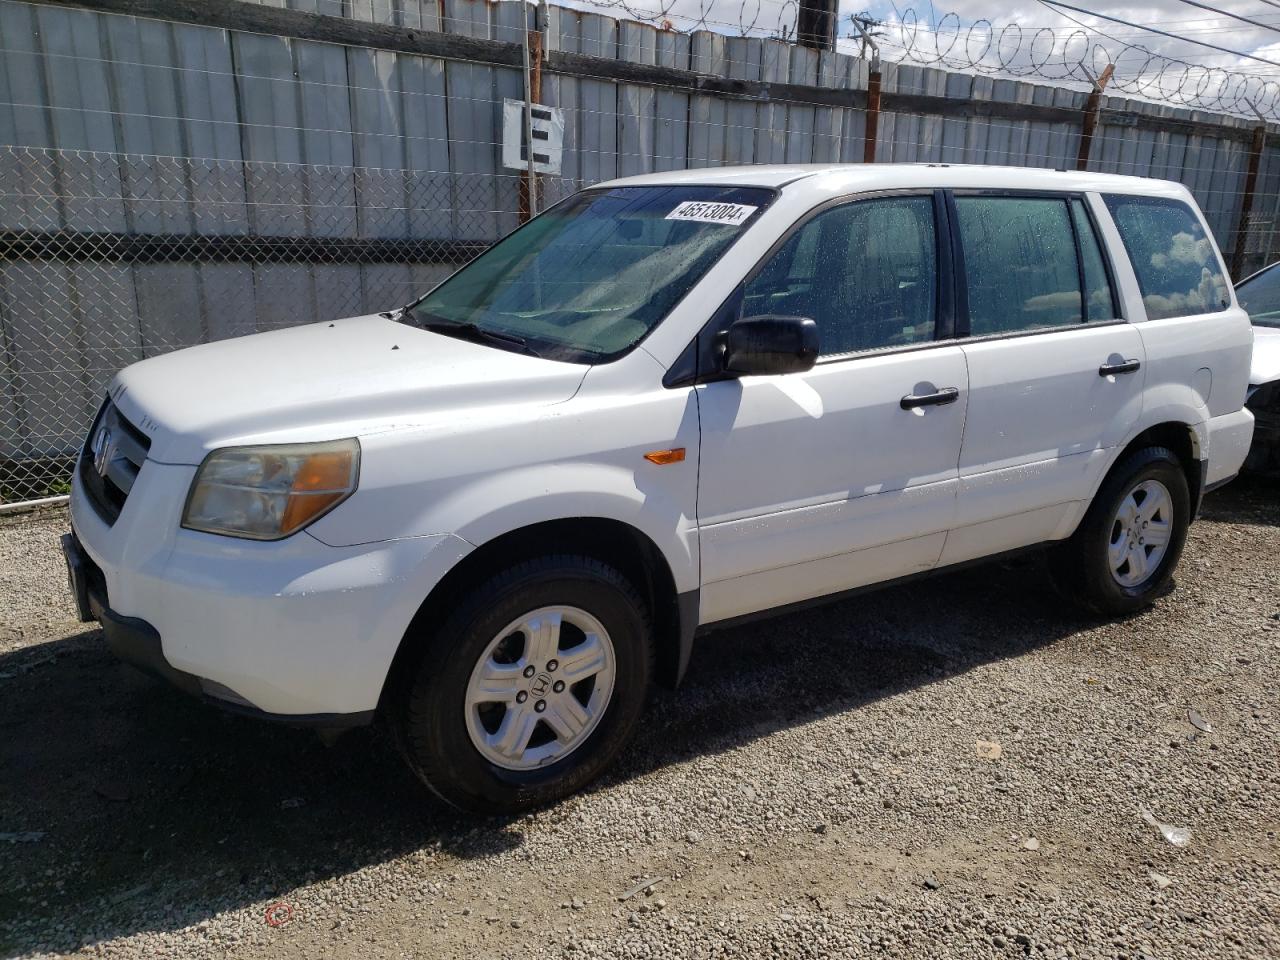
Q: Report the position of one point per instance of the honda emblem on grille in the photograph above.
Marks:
(104, 450)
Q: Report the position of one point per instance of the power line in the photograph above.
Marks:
(1248, 87)
(1171, 36)
(1233, 16)
(1182, 59)
(1122, 38)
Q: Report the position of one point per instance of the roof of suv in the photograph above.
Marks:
(855, 177)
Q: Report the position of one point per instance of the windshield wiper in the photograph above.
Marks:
(476, 334)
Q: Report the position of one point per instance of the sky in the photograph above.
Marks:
(945, 30)
(1189, 23)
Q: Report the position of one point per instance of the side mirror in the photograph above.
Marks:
(771, 344)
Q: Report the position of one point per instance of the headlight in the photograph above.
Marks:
(269, 492)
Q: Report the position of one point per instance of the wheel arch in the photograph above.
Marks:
(627, 548)
(1178, 436)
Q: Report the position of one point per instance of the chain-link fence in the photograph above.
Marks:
(108, 258)
(336, 123)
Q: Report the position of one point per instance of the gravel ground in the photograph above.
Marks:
(823, 785)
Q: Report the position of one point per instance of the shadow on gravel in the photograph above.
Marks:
(1247, 499)
(157, 811)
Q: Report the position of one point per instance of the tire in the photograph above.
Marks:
(1085, 566)
(449, 722)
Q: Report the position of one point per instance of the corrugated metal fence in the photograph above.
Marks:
(208, 170)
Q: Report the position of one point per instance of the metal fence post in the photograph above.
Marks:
(873, 113)
(528, 199)
(1089, 124)
(866, 35)
(1246, 200)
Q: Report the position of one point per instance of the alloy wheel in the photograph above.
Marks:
(540, 688)
(1140, 533)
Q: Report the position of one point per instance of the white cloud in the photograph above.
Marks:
(1185, 249)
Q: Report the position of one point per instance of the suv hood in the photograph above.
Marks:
(323, 381)
(1266, 355)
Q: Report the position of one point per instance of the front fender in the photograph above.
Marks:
(502, 503)
(483, 478)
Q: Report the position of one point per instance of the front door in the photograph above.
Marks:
(845, 475)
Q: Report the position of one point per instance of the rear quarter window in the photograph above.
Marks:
(1178, 269)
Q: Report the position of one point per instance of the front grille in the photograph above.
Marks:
(109, 463)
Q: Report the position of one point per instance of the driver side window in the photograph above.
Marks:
(865, 272)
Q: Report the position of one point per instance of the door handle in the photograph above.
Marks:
(945, 395)
(1110, 369)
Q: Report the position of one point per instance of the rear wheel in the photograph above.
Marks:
(1123, 554)
(530, 688)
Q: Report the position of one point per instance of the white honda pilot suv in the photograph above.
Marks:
(491, 518)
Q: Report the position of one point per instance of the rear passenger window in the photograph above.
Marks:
(1100, 302)
(866, 272)
(1178, 270)
(1020, 263)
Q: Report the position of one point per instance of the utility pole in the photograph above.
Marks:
(867, 28)
(816, 24)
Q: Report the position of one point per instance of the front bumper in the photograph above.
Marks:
(137, 643)
(295, 629)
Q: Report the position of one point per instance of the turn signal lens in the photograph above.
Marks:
(664, 457)
(323, 482)
(270, 492)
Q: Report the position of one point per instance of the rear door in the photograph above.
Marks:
(1055, 372)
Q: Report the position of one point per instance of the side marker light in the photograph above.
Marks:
(664, 457)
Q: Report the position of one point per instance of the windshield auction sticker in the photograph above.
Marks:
(729, 214)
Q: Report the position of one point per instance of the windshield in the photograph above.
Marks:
(587, 280)
(1260, 296)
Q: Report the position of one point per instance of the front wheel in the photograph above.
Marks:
(530, 688)
(1124, 552)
